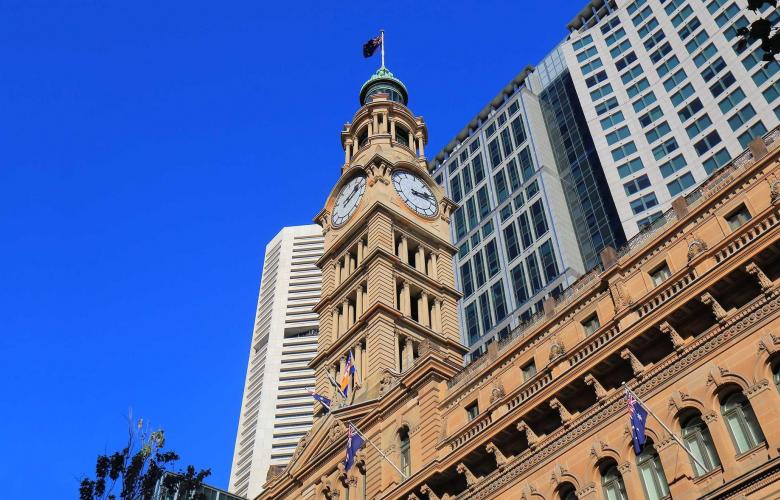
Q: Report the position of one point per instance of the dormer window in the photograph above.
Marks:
(660, 274)
(472, 411)
(591, 324)
(738, 217)
(529, 370)
(401, 135)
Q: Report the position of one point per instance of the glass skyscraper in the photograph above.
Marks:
(668, 94)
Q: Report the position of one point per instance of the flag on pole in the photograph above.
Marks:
(354, 443)
(370, 46)
(321, 399)
(638, 417)
(349, 369)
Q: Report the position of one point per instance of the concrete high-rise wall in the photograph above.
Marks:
(276, 410)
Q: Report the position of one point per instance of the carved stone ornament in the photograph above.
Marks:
(497, 392)
(636, 365)
(324, 221)
(378, 171)
(591, 381)
(562, 411)
(677, 340)
(624, 468)
(426, 490)
(500, 458)
(470, 478)
(619, 294)
(695, 247)
(763, 280)
(769, 344)
(774, 191)
(530, 435)
(445, 210)
(556, 349)
(708, 300)
(335, 431)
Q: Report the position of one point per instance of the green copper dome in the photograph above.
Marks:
(383, 81)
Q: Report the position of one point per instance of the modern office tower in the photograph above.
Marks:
(515, 238)
(595, 219)
(668, 95)
(276, 410)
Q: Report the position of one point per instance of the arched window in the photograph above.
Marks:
(698, 440)
(362, 137)
(401, 135)
(567, 492)
(652, 473)
(612, 482)
(776, 374)
(406, 457)
(741, 421)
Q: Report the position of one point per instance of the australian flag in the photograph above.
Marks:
(370, 46)
(638, 416)
(321, 399)
(354, 443)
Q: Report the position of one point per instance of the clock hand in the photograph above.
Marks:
(355, 190)
(423, 195)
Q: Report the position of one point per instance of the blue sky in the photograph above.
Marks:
(148, 152)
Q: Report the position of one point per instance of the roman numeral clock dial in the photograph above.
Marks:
(348, 199)
(416, 193)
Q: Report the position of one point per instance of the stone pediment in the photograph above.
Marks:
(316, 443)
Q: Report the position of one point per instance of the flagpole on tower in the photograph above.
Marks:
(382, 34)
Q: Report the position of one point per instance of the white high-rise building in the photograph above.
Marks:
(276, 410)
(668, 94)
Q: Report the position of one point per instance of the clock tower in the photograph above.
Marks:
(388, 302)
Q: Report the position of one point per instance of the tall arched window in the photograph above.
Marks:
(652, 473)
(567, 492)
(612, 482)
(699, 442)
(741, 421)
(406, 456)
(776, 374)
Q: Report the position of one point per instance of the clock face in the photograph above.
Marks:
(348, 199)
(415, 193)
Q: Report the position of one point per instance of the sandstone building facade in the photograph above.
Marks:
(686, 314)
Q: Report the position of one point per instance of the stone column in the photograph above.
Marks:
(365, 299)
(408, 353)
(376, 123)
(392, 130)
(419, 262)
(406, 300)
(436, 316)
(421, 145)
(351, 263)
(335, 333)
(336, 274)
(404, 250)
(359, 360)
(344, 273)
(347, 156)
(342, 362)
(343, 319)
(360, 252)
(359, 302)
(350, 315)
(722, 442)
(423, 311)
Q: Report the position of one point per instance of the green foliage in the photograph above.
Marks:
(142, 471)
